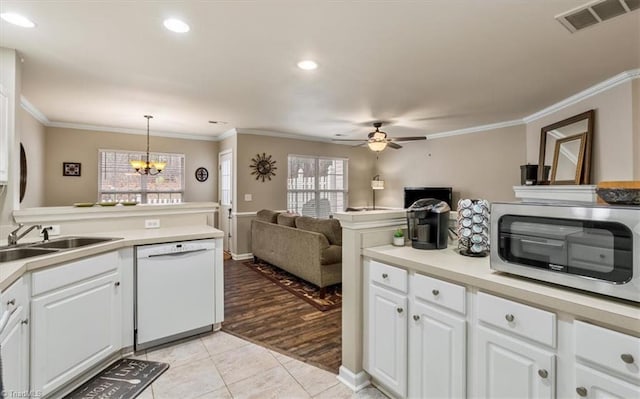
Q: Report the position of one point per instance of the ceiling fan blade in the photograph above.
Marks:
(415, 138)
(393, 145)
(364, 140)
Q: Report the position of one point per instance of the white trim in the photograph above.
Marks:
(269, 133)
(227, 134)
(243, 214)
(124, 130)
(475, 129)
(33, 111)
(583, 95)
(241, 256)
(353, 381)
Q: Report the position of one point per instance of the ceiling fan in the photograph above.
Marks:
(378, 140)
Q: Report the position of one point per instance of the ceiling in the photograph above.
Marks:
(424, 66)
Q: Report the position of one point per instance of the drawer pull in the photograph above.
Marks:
(416, 317)
(509, 317)
(25, 321)
(117, 284)
(11, 302)
(581, 391)
(400, 310)
(627, 358)
(385, 275)
(435, 292)
(543, 373)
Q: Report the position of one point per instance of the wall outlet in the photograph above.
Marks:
(53, 229)
(151, 223)
(248, 197)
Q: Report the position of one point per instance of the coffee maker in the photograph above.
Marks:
(428, 221)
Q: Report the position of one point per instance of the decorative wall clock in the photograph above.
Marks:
(202, 174)
(263, 166)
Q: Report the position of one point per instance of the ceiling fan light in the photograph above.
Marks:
(377, 146)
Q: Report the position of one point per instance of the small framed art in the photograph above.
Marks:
(71, 168)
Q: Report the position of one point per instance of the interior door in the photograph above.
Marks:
(225, 194)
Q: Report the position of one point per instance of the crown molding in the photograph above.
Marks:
(33, 111)
(229, 133)
(587, 93)
(143, 132)
(475, 129)
(271, 133)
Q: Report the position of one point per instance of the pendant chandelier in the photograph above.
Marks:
(148, 167)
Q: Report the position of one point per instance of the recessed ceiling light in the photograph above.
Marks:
(17, 19)
(308, 65)
(175, 25)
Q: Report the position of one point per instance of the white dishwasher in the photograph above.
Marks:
(178, 290)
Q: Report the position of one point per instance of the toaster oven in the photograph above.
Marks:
(590, 247)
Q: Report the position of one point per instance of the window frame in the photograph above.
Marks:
(316, 190)
(144, 192)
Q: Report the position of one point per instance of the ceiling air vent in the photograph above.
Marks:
(595, 12)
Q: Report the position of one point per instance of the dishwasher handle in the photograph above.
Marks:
(178, 253)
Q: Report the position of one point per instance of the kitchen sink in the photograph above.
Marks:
(10, 254)
(71, 242)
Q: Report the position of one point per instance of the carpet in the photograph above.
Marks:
(299, 287)
(124, 379)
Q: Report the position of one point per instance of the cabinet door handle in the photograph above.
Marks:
(435, 292)
(509, 317)
(627, 358)
(400, 310)
(117, 284)
(543, 373)
(385, 275)
(11, 302)
(581, 391)
(416, 317)
(25, 321)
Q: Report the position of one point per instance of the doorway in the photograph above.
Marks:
(225, 192)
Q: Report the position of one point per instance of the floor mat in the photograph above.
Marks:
(124, 379)
(299, 287)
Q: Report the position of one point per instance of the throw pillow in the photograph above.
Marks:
(267, 215)
(287, 219)
(329, 227)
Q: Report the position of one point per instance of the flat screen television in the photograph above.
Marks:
(412, 194)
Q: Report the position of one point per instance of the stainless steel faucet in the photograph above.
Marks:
(14, 237)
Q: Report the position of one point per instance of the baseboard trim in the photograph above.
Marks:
(353, 381)
(241, 256)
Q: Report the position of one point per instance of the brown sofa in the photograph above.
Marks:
(306, 247)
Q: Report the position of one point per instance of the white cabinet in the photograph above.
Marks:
(437, 342)
(592, 384)
(511, 368)
(387, 346)
(76, 312)
(14, 340)
(4, 136)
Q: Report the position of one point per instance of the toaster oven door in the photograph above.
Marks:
(597, 249)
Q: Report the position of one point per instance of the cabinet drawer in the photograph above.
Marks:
(15, 296)
(388, 276)
(438, 292)
(610, 349)
(529, 322)
(65, 274)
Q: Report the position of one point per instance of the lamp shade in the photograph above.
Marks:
(377, 146)
(377, 184)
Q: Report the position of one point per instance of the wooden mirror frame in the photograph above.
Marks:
(585, 177)
(580, 158)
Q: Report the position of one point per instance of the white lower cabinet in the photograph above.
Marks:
(437, 356)
(387, 346)
(76, 320)
(511, 368)
(14, 341)
(593, 384)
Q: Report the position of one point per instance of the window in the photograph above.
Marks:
(316, 186)
(118, 181)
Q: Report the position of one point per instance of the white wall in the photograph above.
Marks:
(32, 136)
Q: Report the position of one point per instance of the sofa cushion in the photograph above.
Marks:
(329, 227)
(267, 215)
(287, 219)
(330, 255)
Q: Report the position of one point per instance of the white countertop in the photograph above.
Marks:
(11, 271)
(450, 265)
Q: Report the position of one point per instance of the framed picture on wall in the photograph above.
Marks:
(71, 168)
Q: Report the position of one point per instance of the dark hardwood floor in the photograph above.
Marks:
(258, 310)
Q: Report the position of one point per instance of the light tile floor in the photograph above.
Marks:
(221, 365)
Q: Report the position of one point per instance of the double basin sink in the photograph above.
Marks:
(17, 252)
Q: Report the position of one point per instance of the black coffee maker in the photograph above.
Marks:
(428, 221)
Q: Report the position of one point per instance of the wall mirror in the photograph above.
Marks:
(567, 159)
(565, 147)
(23, 172)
